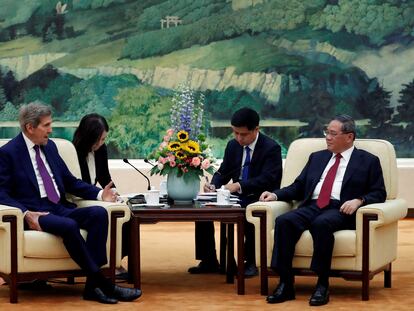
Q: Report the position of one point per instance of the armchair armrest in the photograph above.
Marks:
(272, 210)
(5, 211)
(388, 212)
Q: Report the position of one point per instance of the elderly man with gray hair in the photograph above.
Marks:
(34, 178)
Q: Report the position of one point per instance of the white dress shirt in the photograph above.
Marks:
(336, 189)
(32, 153)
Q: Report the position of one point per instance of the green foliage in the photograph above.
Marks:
(9, 112)
(97, 94)
(374, 19)
(187, 10)
(375, 105)
(406, 100)
(276, 15)
(221, 105)
(138, 121)
(56, 94)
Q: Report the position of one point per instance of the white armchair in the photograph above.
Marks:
(358, 254)
(28, 255)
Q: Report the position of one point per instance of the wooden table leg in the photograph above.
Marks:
(240, 256)
(223, 247)
(134, 259)
(230, 254)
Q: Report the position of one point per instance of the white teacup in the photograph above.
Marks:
(152, 197)
(223, 196)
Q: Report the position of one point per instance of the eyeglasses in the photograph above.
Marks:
(332, 133)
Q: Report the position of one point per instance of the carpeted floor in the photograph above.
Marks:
(168, 251)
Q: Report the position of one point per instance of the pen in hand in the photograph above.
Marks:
(208, 186)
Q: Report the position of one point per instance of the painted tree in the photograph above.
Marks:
(406, 111)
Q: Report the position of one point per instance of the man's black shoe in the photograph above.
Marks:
(205, 267)
(96, 294)
(125, 293)
(282, 293)
(250, 271)
(320, 296)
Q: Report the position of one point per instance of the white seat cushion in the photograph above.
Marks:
(345, 244)
(38, 244)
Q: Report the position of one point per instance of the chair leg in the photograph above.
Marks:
(223, 246)
(13, 289)
(387, 277)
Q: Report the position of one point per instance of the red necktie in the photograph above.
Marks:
(326, 189)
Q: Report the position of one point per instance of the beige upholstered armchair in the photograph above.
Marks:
(358, 254)
(28, 255)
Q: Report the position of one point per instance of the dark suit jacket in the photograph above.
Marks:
(265, 171)
(101, 166)
(18, 184)
(363, 179)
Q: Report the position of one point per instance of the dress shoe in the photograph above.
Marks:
(126, 293)
(320, 296)
(205, 267)
(250, 271)
(96, 294)
(282, 293)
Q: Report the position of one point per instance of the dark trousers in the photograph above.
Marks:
(205, 244)
(322, 223)
(65, 222)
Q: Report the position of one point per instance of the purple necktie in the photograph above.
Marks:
(52, 195)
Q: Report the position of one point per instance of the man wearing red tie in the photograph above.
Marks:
(333, 185)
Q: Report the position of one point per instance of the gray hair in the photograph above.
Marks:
(32, 113)
(348, 124)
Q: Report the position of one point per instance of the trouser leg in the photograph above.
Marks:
(205, 244)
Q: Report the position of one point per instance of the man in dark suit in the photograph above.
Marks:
(333, 185)
(34, 178)
(253, 163)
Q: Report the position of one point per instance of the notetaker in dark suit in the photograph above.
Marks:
(333, 185)
(252, 163)
(35, 179)
(89, 141)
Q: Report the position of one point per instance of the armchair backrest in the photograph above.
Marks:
(66, 150)
(300, 149)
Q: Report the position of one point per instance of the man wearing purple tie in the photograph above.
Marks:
(333, 185)
(35, 179)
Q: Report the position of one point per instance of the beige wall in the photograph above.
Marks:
(128, 180)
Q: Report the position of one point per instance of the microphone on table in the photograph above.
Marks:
(148, 162)
(149, 183)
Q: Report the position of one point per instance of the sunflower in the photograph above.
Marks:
(174, 146)
(180, 154)
(182, 136)
(191, 147)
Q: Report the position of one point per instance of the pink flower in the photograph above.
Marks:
(162, 160)
(170, 132)
(160, 166)
(172, 163)
(163, 145)
(195, 161)
(184, 169)
(171, 158)
(205, 164)
(167, 138)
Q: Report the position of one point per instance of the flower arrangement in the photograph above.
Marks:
(183, 150)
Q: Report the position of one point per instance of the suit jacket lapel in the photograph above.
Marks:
(351, 167)
(316, 174)
(26, 161)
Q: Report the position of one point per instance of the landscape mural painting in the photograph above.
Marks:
(297, 62)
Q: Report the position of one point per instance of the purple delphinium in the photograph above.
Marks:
(187, 112)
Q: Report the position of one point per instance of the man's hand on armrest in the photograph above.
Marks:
(268, 196)
(32, 219)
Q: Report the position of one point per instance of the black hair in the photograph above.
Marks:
(245, 117)
(89, 131)
(348, 124)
